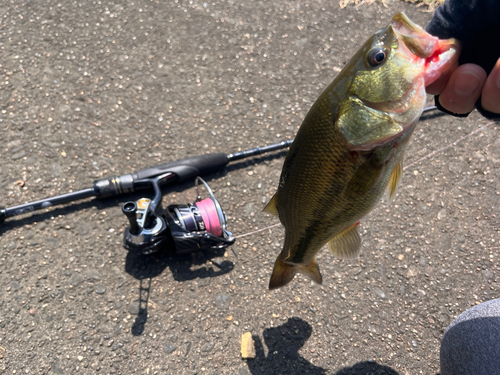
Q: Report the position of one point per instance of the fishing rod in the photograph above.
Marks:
(198, 225)
(186, 228)
(176, 171)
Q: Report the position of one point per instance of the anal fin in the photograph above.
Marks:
(347, 243)
(271, 206)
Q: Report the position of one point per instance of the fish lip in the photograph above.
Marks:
(416, 39)
(401, 21)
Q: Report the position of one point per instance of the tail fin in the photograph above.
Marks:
(312, 271)
(283, 273)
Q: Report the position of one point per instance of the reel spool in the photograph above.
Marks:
(201, 224)
(188, 227)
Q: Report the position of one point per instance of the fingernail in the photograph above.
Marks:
(466, 83)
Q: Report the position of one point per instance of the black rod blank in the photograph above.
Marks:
(45, 203)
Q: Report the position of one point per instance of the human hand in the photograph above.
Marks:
(460, 88)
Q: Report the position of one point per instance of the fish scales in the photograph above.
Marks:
(328, 208)
(350, 146)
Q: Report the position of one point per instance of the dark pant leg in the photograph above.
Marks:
(471, 344)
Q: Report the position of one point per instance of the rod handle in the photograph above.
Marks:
(188, 168)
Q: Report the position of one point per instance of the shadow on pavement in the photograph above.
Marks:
(142, 266)
(283, 344)
(145, 267)
(367, 368)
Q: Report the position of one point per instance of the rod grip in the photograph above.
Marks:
(188, 168)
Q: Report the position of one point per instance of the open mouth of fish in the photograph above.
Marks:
(424, 58)
(434, 56)
(418, 46)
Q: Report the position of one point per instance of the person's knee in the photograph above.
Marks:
(471, 344)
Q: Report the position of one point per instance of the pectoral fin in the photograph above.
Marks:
(283, 273)
(347, 243)
(365, 177)
(271, 206)
(395, 180)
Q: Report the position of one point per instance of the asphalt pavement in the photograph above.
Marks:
(92, 89)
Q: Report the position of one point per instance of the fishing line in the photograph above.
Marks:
(257, 231)
(449, 145)
(408, 166)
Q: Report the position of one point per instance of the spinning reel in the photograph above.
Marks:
(187, 228)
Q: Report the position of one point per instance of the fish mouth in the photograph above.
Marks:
(432, 57)
(416, 39)
(442, 61)
(437, 55)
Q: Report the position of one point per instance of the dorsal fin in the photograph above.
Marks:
(347, 243)
(271, 206)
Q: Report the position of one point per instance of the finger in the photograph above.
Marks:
(436, 87)
(490, 97)
(463, 88)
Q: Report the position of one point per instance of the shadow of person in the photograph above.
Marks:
(283, 344)
(367, 368)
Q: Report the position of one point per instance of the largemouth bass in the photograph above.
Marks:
(349, 149)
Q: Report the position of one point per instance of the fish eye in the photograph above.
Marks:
(377, 56)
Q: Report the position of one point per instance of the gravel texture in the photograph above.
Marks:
(91, 89)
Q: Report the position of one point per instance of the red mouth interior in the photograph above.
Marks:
(434, 57)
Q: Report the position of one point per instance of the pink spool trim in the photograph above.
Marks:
(210, 217)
